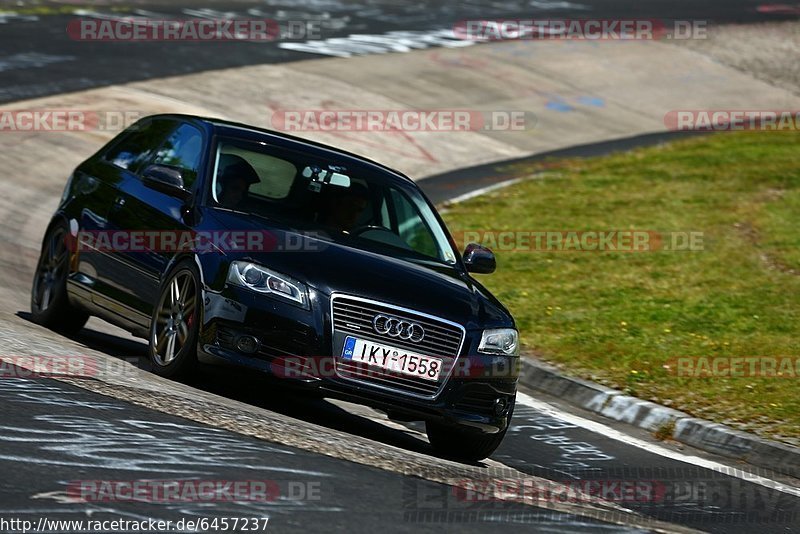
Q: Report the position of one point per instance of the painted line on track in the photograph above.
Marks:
(487, 189)
(609, 432)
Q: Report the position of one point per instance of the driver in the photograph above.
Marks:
(346, 205)
(235, 177)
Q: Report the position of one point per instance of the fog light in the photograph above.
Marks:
(500, 406)
(247, 344)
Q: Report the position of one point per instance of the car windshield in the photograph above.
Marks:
(353, 205)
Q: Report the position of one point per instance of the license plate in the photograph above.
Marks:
(392, 358)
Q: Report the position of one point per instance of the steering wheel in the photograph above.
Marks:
(381, 235)
(367, 227)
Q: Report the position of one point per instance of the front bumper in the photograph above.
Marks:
(299, 345)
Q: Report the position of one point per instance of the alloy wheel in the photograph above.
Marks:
(175, 318)
(51, 268)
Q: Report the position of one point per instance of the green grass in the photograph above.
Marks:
(619, 318)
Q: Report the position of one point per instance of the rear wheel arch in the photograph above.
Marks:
(50, 302)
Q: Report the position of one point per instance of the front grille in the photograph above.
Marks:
(443, 339)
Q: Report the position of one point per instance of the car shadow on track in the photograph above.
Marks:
(262, 391)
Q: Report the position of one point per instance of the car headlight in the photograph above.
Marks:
(263, 280)
(500, 341)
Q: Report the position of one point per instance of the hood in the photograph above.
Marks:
(330, 267)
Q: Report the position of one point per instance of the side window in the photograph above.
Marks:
(138, 146)
(182, 150)
(410, 226)
(268, 176)
(385, 221)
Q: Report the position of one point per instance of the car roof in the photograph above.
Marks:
(281, 139)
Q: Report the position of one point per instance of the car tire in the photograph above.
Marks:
(175, 323)
(50, 306)
(464, 444)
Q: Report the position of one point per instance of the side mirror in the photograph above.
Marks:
(167, 180)
(479, 259)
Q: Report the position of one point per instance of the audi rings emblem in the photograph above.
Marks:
(399, 328)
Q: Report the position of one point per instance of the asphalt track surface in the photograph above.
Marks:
(38, 58)
(461, 183)
(55, 433)
(76, 436)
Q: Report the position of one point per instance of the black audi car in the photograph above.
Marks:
(224, 243)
